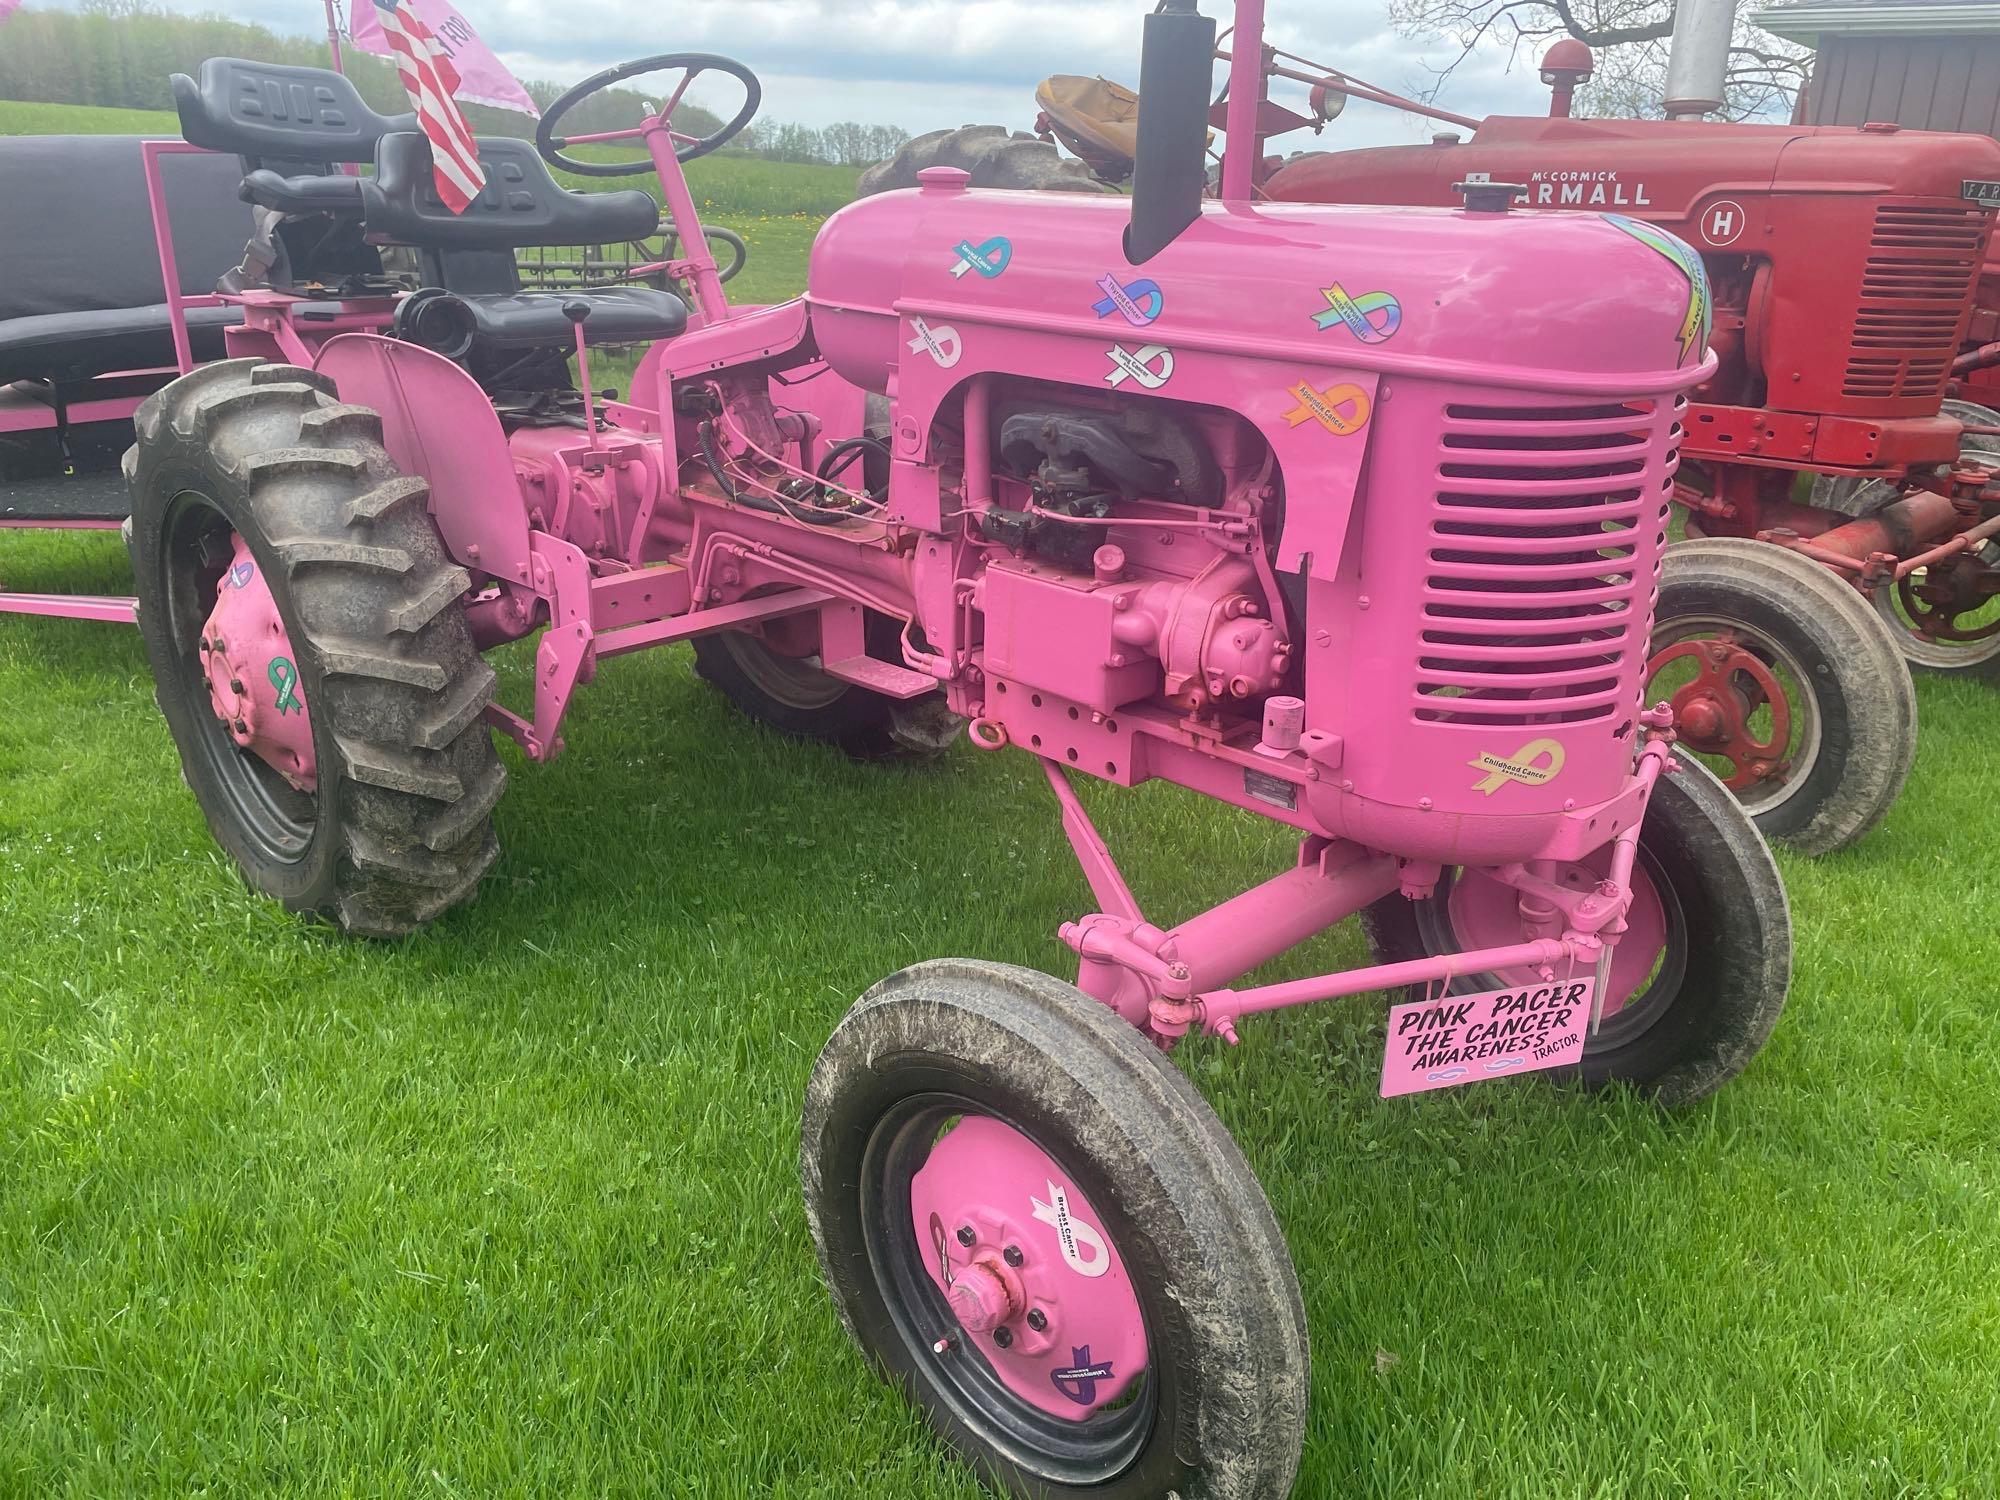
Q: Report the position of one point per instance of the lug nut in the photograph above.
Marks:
(1037, 1319)
(1003, 1336)
(966, 1236)
(1012, 1255)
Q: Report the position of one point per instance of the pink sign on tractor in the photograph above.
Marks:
(1458, 1039)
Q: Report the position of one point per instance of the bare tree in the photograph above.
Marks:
(1630, 40)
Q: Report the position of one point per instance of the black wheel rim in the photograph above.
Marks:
(273, 817)
(1093, 1451)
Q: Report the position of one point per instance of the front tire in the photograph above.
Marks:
(1689, 1016)
(393, 824)
(1152, 1216)
(1787, 684)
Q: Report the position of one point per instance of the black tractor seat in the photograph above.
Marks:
(275, 114)
(522, 205)
(334, 193)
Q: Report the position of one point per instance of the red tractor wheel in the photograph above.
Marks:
(1946, 617)
(1787, 685)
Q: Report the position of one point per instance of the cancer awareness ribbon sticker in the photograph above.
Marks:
(1534, 764)
(1341, 409)
(989, 259)
(1079, 1381)
(1072, 1234)
(1141, 301)
(285, 678)
(1152, 365)
(1373, 317)
(941, 344)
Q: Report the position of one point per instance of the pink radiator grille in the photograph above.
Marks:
(1544, 541)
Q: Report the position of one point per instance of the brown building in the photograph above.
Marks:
(1927, 64)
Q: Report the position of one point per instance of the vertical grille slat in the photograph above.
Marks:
(1544, 537)
(1923, 263)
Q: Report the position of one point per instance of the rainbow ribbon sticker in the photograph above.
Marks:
(1141, 302)
(989, 259)
(285, 678)
(1695, 323)
(1534, 764)
(1373, 317)
(1341, 409)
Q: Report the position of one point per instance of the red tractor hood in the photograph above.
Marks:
(1661, 171)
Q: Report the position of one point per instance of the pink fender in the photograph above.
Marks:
(457, 446)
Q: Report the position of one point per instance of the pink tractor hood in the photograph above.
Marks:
(1516, 298)
(1305, 318)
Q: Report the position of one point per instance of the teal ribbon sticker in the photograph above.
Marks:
(285, 678)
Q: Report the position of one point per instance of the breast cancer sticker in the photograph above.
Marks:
(1372, 317)
(1152, 365)
(941, 343)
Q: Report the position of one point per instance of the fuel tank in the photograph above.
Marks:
(1504, 297)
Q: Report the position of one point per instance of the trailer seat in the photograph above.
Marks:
(81, 295)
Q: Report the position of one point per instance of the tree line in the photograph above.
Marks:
(120, 54)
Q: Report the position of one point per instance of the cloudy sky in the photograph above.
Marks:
(923, 64)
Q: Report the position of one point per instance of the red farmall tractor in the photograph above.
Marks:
(1846, 266)
(1373, 555)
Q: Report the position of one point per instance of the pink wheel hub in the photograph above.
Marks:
(1023, 1260)
(1486, 913)
(253, 674)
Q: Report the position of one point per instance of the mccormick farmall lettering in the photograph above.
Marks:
(1582, 188)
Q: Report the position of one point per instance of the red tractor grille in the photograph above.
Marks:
(1923, 263)
(1544, 544)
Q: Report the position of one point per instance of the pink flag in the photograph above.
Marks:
(483, 79)
(8, 7)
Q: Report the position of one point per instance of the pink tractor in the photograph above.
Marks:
(1371, 553)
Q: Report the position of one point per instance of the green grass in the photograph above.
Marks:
(512, 1208)
(19, 117)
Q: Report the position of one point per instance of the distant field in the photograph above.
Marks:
(727, 186)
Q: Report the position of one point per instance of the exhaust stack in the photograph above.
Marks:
(1170, 172)
(1699, 59)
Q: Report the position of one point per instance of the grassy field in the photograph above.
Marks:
(512, 1208)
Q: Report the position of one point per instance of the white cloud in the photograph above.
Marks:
(923, 64)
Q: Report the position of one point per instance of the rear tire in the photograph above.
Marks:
(1722, 979)
(1843, 677)
(399, 828)
(1221, 1412)
(793, 696)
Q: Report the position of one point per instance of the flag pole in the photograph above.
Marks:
(333, 35)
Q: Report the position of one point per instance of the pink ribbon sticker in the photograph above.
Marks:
(1460, 1039)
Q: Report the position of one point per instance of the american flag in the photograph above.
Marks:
(430, 80)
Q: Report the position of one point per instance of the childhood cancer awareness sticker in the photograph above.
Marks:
(941, 344)
(1534, 764)
(1460, 1039)
(1072, 1233)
